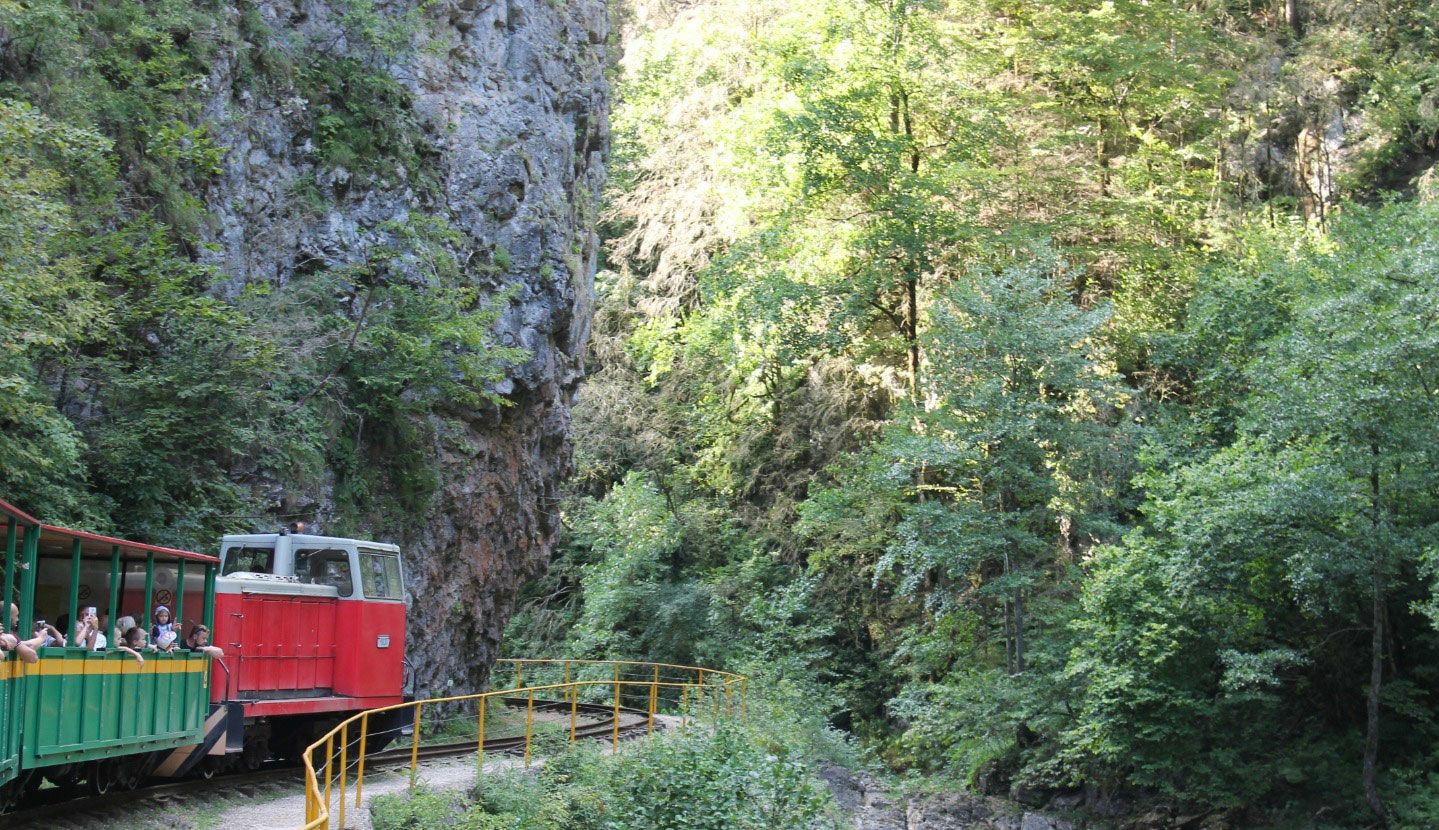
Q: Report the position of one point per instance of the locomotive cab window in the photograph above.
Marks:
(249, 560)
(325, 566)
(380, 574)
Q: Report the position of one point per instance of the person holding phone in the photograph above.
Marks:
(47, 635)
(87, 632)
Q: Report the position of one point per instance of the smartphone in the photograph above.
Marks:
(90, 611)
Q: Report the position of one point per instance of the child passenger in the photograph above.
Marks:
(133, 642)
(163, 634)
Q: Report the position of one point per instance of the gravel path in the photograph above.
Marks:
(287, 812)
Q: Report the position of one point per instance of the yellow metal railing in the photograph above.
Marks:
(664, 688)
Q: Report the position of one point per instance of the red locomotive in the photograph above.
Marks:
(313, 630)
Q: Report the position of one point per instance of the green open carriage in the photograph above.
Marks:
(100, 718)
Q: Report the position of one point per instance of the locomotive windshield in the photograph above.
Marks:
(325, 566)
(249, 560)
(380, 574)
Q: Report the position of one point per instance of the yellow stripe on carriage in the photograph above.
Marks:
(127, 666)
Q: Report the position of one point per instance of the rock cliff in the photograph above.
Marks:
(499, 132)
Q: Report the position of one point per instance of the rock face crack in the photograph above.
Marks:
(516, 176)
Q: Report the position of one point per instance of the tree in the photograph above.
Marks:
(1254, 558)
(1358, 372)
(49, 307)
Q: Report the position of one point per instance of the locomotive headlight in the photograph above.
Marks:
(382, 641)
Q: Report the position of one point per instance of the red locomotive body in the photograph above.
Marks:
(313, 630)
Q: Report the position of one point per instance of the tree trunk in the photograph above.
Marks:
(1376, 655)
(1294, 18)
(1101, 154)
(1019, 631)
(1371, 734)
(1008, 627)
(911, 332)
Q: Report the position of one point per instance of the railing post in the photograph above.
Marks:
(654, 699)
(684, 705)
(415, 744)
(615, 740)
(574, 710)
(329, 773)
(210, 598)
(360, 763)
(112, 614)
(728, 697)
(179, 616)
(74, 605)
(149, 592)
(344, 768)
(30, 551)
(484, 704)
(11, 526)
(312, 804)
(519, 674)
(529, 724)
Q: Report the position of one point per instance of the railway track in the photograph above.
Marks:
(96, 809)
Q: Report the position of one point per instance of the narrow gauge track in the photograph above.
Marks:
(43, 815)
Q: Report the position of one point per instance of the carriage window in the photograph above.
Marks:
(249, 560)
(380, 574)
(325, 566)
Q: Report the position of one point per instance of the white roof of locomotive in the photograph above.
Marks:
(305, 539)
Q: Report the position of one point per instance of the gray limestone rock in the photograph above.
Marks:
(510, 106)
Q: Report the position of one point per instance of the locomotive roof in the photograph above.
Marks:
(306, 539)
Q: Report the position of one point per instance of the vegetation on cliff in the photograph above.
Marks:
(149, 393)
(1048, 388)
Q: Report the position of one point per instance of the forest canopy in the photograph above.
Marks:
(1049, 390)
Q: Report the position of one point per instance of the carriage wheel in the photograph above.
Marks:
(102, 777)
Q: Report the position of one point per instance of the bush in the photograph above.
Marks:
(729, 777)
(420, 809)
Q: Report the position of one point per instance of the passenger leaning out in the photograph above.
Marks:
(10, 642)
(199, 640)
(125, 623)
(133, 643)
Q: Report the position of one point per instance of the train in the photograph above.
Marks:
(306, 630)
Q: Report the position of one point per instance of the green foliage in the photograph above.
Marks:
(966, 366)
(146, 393)
(419, 809)
(727, 777)
(48, 306)
(363, 120)
(1229, 609)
